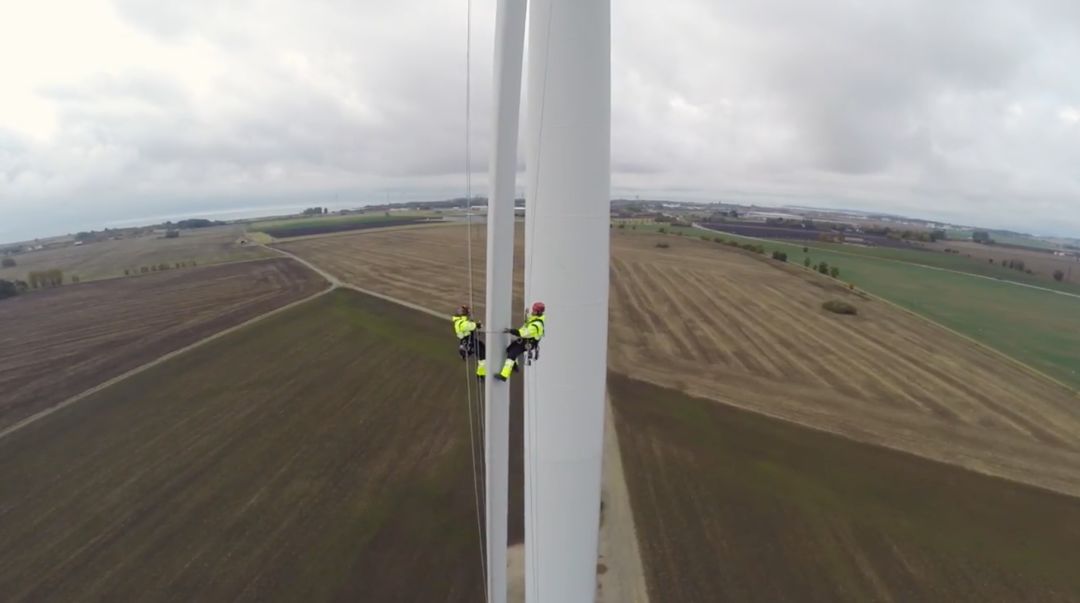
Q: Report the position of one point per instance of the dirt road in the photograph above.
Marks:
(621, 573)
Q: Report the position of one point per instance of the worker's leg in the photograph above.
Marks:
(481, 357)
(515, 349)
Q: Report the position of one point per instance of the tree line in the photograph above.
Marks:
(162, 267)
(46, 279)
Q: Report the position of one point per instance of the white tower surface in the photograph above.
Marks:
(509, 45)
(567, 256)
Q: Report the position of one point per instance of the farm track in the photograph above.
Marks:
(745, 331)
(63, 342)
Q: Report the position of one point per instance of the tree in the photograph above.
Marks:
(1059, 275)
(839, 307)
(834, 272)
(807, 262)
(198, 223)
(823, 267)
(8, 289)
(172, 234)
(981, 236)
(8, 262)
(41, 279)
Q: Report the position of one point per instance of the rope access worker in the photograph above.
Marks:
(526, 339)
(468, 342)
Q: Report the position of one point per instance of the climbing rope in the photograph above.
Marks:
(532, 213)
(474, 416)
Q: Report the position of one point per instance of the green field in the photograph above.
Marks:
(936, 259)
(110, 259)
(319, 455)
(1039, 328)
(1005, 239)
(733, 506)
(949, 261)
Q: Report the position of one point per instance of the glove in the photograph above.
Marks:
(510, 331)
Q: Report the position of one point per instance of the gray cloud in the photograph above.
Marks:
(962, 110)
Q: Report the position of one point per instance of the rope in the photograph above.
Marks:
(476, 482)
(535, 562)
(469, 371)
(539, 147)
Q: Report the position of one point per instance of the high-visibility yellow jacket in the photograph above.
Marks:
(463, 326)
(533, 328)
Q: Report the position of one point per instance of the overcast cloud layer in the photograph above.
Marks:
(962, 110)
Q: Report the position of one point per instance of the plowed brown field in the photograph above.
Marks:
(747, 331)
(56, 343)
(733, 506)
(321, 455)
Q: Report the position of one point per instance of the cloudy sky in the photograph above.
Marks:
(121, 110)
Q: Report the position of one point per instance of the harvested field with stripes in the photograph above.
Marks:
(57, 343)
(425, 266)
(750, 332)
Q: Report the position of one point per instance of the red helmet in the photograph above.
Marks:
(464, 310)
(538, 308)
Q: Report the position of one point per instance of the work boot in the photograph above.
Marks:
(507, 369)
